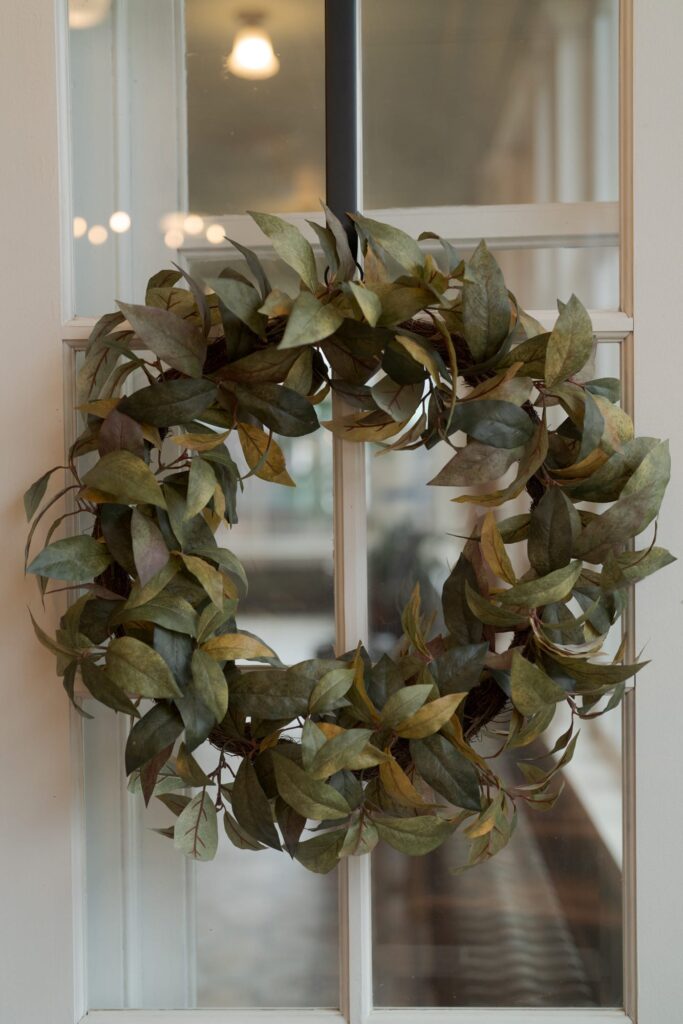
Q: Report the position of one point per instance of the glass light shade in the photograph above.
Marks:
(252, 54)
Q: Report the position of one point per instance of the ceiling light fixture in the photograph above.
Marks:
(252, 55)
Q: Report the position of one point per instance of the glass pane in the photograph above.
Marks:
(166, 122)
(489, 101)
(541, 923)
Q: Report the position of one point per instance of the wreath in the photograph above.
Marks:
(328, 757)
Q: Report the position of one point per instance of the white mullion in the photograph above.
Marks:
(498, 1015)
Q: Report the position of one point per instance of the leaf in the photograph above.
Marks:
(272, 694)
(570, 343)
(137, 668)
(126, 478)
(310, 797)
(458, 669)
(630, 567)
(397, 784)
(554, 586)
(290, 245)
(347, 264)
(176, 341)
(149, 547)
(493, 550)
(423, 354)
(404, 703)
(170, 402)
(531, 687)
(242, 300)
(208, 577)
(263, 455)
(447, 771)
(553, 528)
(309, 321)
(196, 830)
(414, 836)
(103, 688)
(475, 463)
(77, 559)
(210, 684)
(239, 836)
(400, 246)
(251, 806)
(277, 407)
(119, 431)
(361, 838)
(200, 442)
(493, 422)
(430, 718)
(321, 854)
(154, 732)
(485, 305)
(227, 561)
(461, 622)
(234, 646)
(36, 492)
(338, 752)
(489, 613)
(368, 302)
(400, 401)
(532, 459)
(201, 484)
(328, 693)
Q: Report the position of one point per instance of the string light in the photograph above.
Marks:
(98, 234)
(80, 226)
(119, 222)
(215, 234)
(193, 224)
(174, 238)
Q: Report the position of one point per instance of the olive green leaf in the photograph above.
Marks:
(36, 492)
(210, 684)
(309, 321)
(77, 559)
(239, 836)
(493, 550)
(321, 853)
(227, 561)
(347, 264)
(201, 485)
(570, 343)
(137, 668)
(311, 797)
(430, 717)
(263, 455)
(196, 830)
(234, 646)
(493, 422)
(368, 302)
(447, 771)
(170, 402)
(475, 463)
(252, 808)
(290, 245)
(630, 567)
(554, 586)
(149, 547)
(531, 688)
(553, 528)
(400, 401)
(176, 341)
(118, 431)
(459, 667)
(398, 786)
(126, 478)
(242, 300)
(341, 751)
(486, 310)
(153, 733)
(400, 246)
(404, 703)
(272, 694)
(329, 692)
(489, 613)
(104, 689)
(277, 407)
(168, 610)
(414, 836)
(462, 623)
(361, 838)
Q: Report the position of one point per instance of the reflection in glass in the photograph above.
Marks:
(540, 924)
(489, 101)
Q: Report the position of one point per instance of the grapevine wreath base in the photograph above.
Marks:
(326, 758)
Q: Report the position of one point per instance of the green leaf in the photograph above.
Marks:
(339, 752)
(78, 559)
(104, 689)
(251, 806)
(368, 302)
(137, 668)
(149, 547)
(430, 718)
(447, 771)
(227, 561)
(159, 728)
(475, 463)
(321, 854)
(400, 246)
(501, 424)
(328, 693)
(242, 300)
(176, 341)
(459, 668)
(290, 245)
(553, 528)
(36, 492)
(201, 485)
(489, 613)
(309, 321)
(278, 407)
(347, 264)
(414, 836)
(630, 567)
(196, 830)
(400, 401)
(404, 703)
(208, 577)
(126, 478)
(531, 687)
(310, 797)
(210, 684)
(570, 343)
(239, 836)
(554, 586)
(271, 694)
(169, 403)
(485, 306)
(462, 623)
(234, 646)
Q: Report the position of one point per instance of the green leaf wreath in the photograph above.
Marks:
(326, 758)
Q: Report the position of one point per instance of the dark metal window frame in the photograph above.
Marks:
(342, 186)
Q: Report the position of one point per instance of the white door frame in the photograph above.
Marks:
(40, 947)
